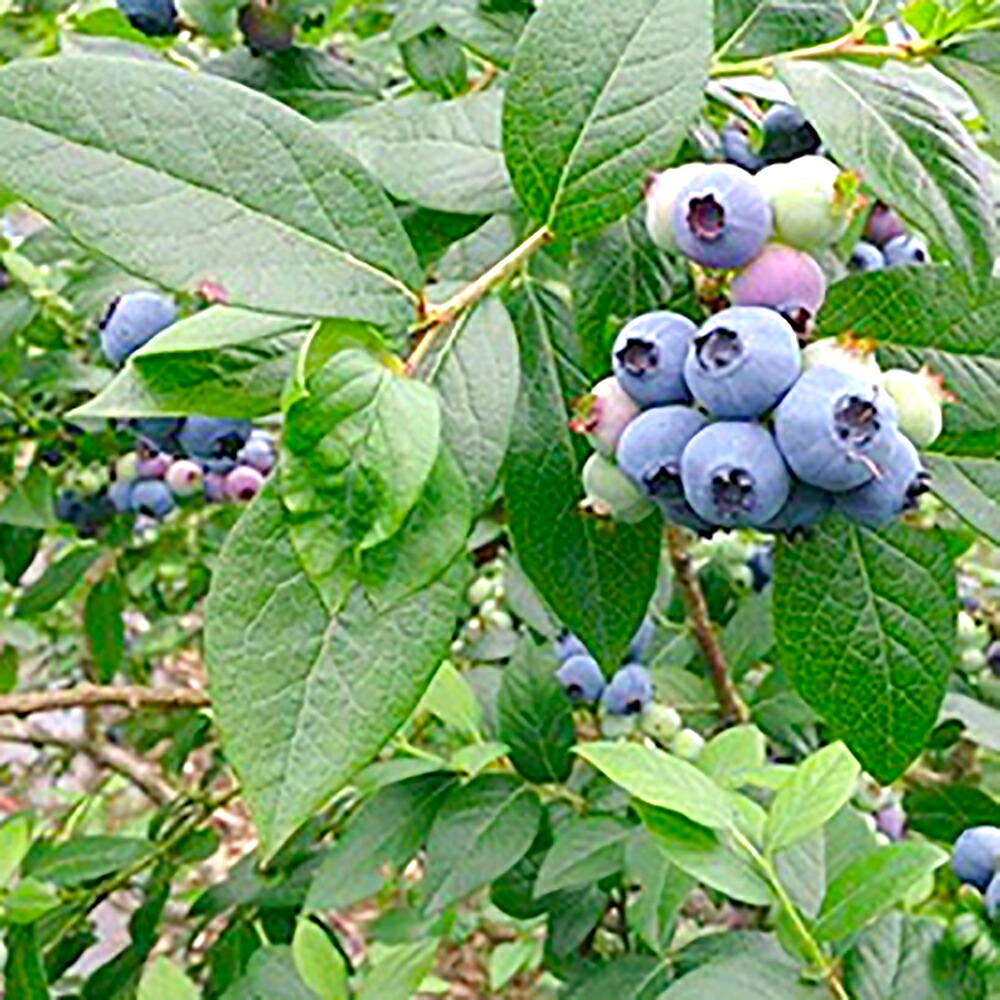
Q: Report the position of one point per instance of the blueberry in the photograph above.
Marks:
(568, 645)
(184, 477)
(69, 506)
(258, 452)
(650, 450)
(4, 279)
(918, 397)
(993, 658)
(737, 149)
(892, 822)
(152, 466)
(974, 856)
(992, 897)
(602, 415)
(156, 18)
(641, 640)
(610, 493)
(152, 497)
(883, 225)
(807, 198)
(687, 744)
(680, 512)
(214, 438)
(906, 251)
(629, 692)
(806, 506)
(215, 487)
(901, 481)
(120, 495)
(784, 279)
(835, 430)
(734, 475)
(581, 678)
(160, 432)
(648, 358)
(761, 566)
(865, 258)
(661, 195)
(721, 217)
(243, 483)
(266, 27)
(133, 320)
(742, 362)
(787, 134)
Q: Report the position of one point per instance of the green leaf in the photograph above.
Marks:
(477, 375)
(597, 577)
(747, 976)
(944, 811)
(822, 784)
(219, 363)
(305, 698)
(509, 958)
(970, 486)
(634, 977)
(399, 972)
(872, 884)
(733, 753)
(707, 856)
(162, 980)
(535, 717)
(664, 889)
(660, 779)
(599, 96)
(29, 502)
(57, 581)
(357, 452)
(482, 831)
(912, 153)
(586, 849)
(451, 699)
(982, 722)
(387, 831)
(298, 227)
(975, 64)
(320, 965)
(15, 840)
(84, 859)
(105, 628)
(865, 629)
(489, 29)
(443, 155)
(801, 869)
(30, 901)
(270, 973)
(436, 62)
(24, 971)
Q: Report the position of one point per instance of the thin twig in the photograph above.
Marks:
(730, 703)
(91, 695)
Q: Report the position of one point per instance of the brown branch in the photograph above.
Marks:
(133, 697)
(731, 704)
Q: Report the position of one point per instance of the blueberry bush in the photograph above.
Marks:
(499, 498)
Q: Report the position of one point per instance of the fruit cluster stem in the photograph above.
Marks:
(731, 705)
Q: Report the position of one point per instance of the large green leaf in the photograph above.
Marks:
(586, 849)
(245, 193)
(24, 970)
(304, 698)
(483, 830)
(221, 362)
(865, 624)
(748, 976)
(599, 95)
(970, 486)
(915, 155)
(443, 155)
(975, 64)
(270, 972)
(872, 884)
(598, 577)
(399, 972)
(944, 811)
(634, 977)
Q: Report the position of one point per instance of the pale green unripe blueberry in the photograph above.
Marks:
(611, 493)
(688, 744)
(855, 358)
(660, 197)
(918, 398)
(972, 661)
(617, 727)
(662, 722)
(500, 621)
(970, 632)
(126, 467)
(481, 591)
(812, 200)
(489, 607)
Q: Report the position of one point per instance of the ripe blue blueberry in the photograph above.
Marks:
(648, 358)
(69, 506)
(650, 450)
(901, 481)
(761, 566)
(568, 645)
(721, 218)
(906, 251)
(133, 320)
(835, 430)
(266, 27)
(258, 453)
(581, 678)
(974, 856)
(806, 506)
(742, 362)
(641, 640)
(155, 18)
(629, 692)
(152, 497)
(787, 134)
(865, 258)
(734, 475)
(737, 149)
(680, 512)
(120, 495)
(992, 897)
(216, 441)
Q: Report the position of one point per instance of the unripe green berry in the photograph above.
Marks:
(481, 591)
(853, 357)
(662, 722)
(611, 493)
(616, 727)
(688, 744)
(918, 398)
(972, 661)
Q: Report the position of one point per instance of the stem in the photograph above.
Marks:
(441, 316)
(730, 703)
(810, 946)
(90, 695)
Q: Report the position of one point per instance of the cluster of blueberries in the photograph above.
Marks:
(975, 859)
(217, 458)
(734, 423)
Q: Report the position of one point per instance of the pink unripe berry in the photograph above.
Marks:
(603, 414)
(782, 278)
(215, 487)
(243, 483)
(152, 466)
(184, 477)
(883, 225)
